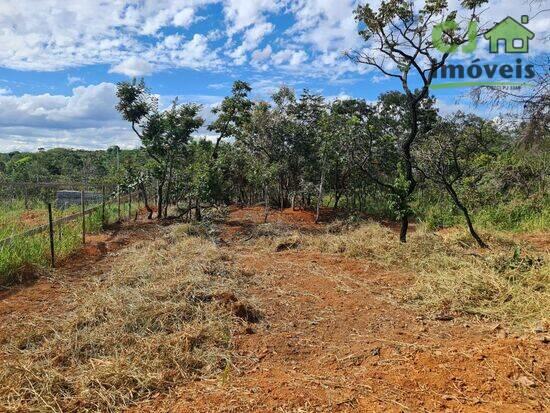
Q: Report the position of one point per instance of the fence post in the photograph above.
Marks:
(83, 217)
(26, 194)
(52, 246)
(137, 206)
(103, 206)
(118, 195)
(129, 204)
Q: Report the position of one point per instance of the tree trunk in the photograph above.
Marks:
(337, 197)
(266, 200)
(320, 198)
(404, 228)
(407, 157)
(145, 200)
(168, 190)
(160, 199)
(198, 215)
(466, 214)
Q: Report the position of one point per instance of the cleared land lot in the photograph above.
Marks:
(284, 316)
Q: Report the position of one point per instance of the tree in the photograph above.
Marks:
(309, 144)
(348, 121)
(164, 135)
(399, 45)
(533, 103)
(233, 113)
(456, 153)
(376, 144)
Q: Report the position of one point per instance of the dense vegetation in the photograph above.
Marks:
(395, 157)
(304, 151)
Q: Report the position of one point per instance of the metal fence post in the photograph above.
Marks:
(83, 217)
(52, 245)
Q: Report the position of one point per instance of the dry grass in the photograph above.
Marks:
(164, 315)
(509, 282)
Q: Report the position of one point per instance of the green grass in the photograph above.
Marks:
(27, 256)
(514, 216)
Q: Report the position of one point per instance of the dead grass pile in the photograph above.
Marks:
(509, 282)
(162, 316)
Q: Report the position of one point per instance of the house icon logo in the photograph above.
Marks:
(513, 34)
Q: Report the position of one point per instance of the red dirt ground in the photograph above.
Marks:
(334, 338)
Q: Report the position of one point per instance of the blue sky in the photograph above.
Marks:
(60, 60)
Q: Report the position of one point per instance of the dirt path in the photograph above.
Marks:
(49, 293)
(334, 338)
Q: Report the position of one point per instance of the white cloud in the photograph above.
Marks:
(289, 57)
(71, 80)
(51, 35)
(5, 91)
(326, 25)
(194, 54)
(86, 105)
(184, 18)
(260, 55)
(241, 14)
(251, 39)
(133, 66)
(86, 118)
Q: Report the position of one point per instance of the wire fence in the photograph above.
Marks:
(43, 222)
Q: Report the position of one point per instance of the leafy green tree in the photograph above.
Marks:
(163, 134)
(232, 114)
(398, 44)
(456, 153)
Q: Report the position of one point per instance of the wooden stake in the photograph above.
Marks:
(103, 206)
(83, 217)
(52, 245)
(118, 195)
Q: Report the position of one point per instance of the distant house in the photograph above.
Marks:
(512, 33)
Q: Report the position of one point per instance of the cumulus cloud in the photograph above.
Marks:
(86, 118)
(137, 37)
(51, 35)
(241, 14)
(184, 17)
(133, 66)
(292, 58)
(251, 39)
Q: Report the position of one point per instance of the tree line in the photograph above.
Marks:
(395, 157)
(307, 152)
